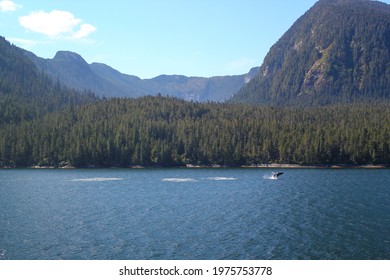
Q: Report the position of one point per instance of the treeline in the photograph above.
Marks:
(26, 93)
(162, 131)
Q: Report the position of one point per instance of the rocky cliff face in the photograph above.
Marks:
(338, 51)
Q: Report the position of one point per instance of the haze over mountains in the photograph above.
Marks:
(72, 70)
(338, 51)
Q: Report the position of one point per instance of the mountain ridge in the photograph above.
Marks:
(338, 51)
(26, 93)
(71, 69)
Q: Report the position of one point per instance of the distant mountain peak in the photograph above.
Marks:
(338, 51)
(71, 69)
(69, 56)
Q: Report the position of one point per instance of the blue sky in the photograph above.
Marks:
(147, 38)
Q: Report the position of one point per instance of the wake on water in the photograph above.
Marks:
(182, 180)
(178, 180)
(222, 178)
(97, 179)
(174, 180)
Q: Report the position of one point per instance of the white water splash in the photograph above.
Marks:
(222, 178)
(270, 177)
(97, 179)
(178, 180)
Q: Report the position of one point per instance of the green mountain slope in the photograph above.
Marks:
(338, 51)
(26, 93)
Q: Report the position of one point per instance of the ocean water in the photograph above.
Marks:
(200, 214)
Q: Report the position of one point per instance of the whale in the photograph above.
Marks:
(276, 174)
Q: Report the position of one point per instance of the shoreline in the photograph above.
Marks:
(195, 166)
(321, 166)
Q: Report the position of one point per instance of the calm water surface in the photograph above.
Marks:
(194, 214)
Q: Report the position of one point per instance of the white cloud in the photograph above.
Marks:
(56, 24)
(84, 31)
(9, 6)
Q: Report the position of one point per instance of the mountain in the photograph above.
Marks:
(72, 70)
(43, 123)
(338, 51)
(26, 93)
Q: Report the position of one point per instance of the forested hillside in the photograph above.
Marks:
(339, 51)
(44, 123)
(161, 131)
(26, 93)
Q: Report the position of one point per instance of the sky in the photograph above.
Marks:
(147, 38)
